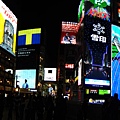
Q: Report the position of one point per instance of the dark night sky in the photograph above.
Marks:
(45, 13)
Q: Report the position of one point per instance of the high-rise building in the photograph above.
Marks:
(30, 59)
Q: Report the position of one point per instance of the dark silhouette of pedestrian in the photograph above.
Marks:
(27, 114)
(31, 107)
(17, 105)
(105, 111)
(85, 108)
(113, 107)
(1, 105)
(49, 108)
(22, 107)
(40, 106)
(60, 106)
(10, 105)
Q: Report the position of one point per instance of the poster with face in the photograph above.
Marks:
(69, 31)
(25, 78)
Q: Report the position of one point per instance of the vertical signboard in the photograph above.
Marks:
(80, 72)
(98, 52)
(28, 48)
(28, 51)
(115, 79)
(8, 28)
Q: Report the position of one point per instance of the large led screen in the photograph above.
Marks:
(97, 83)
(98, 8)
(97, 59)
(25, 75)
(50, 74)
(8, 29)
(29, 37)
(115, 79)
(27, 57)
(69, 31)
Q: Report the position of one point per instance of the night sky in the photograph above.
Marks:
(48, 14)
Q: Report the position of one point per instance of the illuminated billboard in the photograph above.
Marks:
(26, 75)
(97, 59)
(103, 92)
(115, 79)
(69, 66)
(69, 31)
(98, 8)
(79, 72)
(8, 29)
(50, 74)
(97, 83)
(29, 37)
(27, 57)
(119, 12)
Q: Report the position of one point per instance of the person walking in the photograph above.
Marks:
(60, 106)
(1, 105)
(49, 108)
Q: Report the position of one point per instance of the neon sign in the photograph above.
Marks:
(103, 14)
(100, 3)
(99, 29)
(99, 9)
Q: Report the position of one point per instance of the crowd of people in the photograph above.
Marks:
(38, 107)
(33, 107)
(111, 108)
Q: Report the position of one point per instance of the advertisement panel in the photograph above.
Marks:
(97, 59)
(25, 78)
(103, 92)
(27, 57)
(8, 29)
(97, 82)
(69, 31)
(98, 8)
(29, 37)
(50, 74)
(115, 79)
(69, 66)
(80, 72)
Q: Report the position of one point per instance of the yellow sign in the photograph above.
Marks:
(8, 29)
(28, 37)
